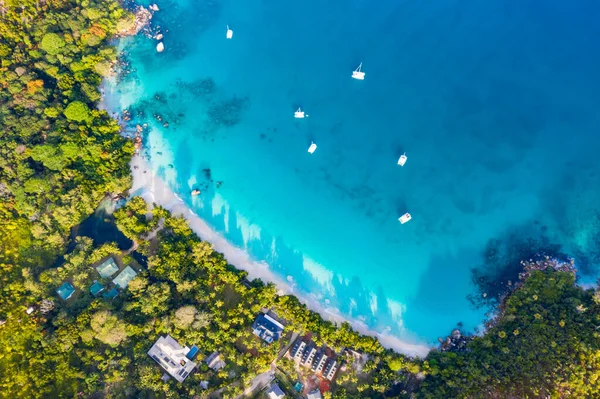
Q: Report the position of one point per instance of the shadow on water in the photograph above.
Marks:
(502, 258)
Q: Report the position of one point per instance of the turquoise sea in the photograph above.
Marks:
(496, 104)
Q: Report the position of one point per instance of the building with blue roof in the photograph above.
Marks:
(66, 290)
(96, 288)
(111, 294)
(267, 328)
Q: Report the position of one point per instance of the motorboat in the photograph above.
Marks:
(402, 159)
(405, 218)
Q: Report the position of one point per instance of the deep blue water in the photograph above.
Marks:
(496, 103)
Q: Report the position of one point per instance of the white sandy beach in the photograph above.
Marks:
(150, 187)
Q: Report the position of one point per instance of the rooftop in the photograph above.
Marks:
(107, 268)
(172, 357)
(123, 279)
(267, 328)
(275, 392)
(214, 361)
(316, 394)
(111, 294)
(96, 288)
(65, 291)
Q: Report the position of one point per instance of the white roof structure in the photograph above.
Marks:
(275, 392)
(215, 362)
(316, 394)
(172, 357)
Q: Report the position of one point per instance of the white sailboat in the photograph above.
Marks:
(299, 114)
(405, 218)
(229, 33)
(358, 73)
(312, 148)
(402, 159)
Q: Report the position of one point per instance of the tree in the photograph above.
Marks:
(108, 328)
(52, 43)
(77, 111)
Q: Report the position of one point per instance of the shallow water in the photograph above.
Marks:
(495, 103)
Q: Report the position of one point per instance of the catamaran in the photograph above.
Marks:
(358, 73)
(402, 159)
(405, 218)
(312, 148)
(229, 33)
(299, 114)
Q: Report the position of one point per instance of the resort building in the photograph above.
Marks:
(330, 370)
(275, 392)
(215, 362)
(123, 278)
(66, 290)
(316, 394)
(297, 350)
(309, 355)
(175, 359)
(267, 328)
(107, 268)
(320, 360)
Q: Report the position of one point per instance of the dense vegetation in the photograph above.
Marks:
(59, 156)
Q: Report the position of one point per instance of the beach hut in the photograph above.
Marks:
(107, 268)
(122, 280)
(65, 291)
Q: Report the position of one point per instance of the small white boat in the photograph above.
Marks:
(405, 218)
(358, 73)
(160, 47)
(229, 33)
(312, 148)
(402, 159)
(299, 114)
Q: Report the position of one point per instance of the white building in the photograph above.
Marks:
(275, 392)
(172, 357)
(316, 394)
(330, 370)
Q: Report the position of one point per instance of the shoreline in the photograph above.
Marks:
(154, 190)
